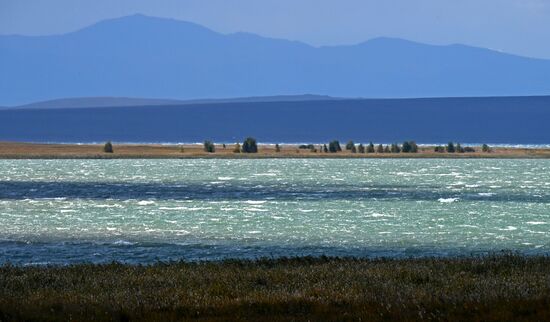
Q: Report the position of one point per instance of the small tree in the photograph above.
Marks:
(108, 147)
(380, 148)
(334, 146)
(223, 146)
(250, 145)
(277, 148)
(325, 149)
(485, 148)
(459, 148)
(370, 148)
(209, 147)
(361, 148)
(439, 149)
(353, 149)
(237, 148)
(395, 148)
(387, 149)
(450, 147)
(409, 147)
(349, 145)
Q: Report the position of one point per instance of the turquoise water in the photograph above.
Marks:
(142, 211)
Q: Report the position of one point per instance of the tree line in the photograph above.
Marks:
(250, 145)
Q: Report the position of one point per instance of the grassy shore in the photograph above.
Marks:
(502, 287)
(14, 150)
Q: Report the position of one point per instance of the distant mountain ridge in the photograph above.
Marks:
(92, 102)
(140, 56)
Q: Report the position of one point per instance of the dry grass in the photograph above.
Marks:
(494, 288)
(13, 150)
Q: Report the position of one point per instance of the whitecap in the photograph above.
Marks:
(486, 194)
(123, 242)
(535, 223)
(447, 200)
(255, 202)
(376, 215)
(225, 178)
(255, 209)
(145, 202)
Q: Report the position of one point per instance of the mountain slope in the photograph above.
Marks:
(139, 56)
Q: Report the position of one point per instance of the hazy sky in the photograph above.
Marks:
(514, 26)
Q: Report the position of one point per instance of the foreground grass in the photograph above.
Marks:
(493, 288)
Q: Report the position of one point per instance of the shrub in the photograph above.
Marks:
(334, 146)
(349, 145)
(108, 147)
(237, 148)
(414, 147)
(370, 148)
(450, 147)
(353, 149)
(380, 148)
(250, 145)
(459, 148)
(361, 148)
(325, 149)
(395, 148)
(277, 148)
(306, 146)
(387, 149)
(439, 149)
(485, 148)
(469, 149)
(209, 147)
(409, 147)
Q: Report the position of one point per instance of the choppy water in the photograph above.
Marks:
(141, 211)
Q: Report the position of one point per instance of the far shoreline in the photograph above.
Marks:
(23, 150)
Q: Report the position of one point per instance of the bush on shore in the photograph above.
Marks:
(209, 147)
(237, 148)
(334, 146)
(250, 145)
(108, 147)
(370, 148)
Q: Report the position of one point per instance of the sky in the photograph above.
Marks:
(514, 26)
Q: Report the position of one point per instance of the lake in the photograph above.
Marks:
(144, 211)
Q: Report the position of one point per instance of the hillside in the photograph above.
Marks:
(140, 56)
(87, 102)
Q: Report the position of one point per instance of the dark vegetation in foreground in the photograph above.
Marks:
(501, 287)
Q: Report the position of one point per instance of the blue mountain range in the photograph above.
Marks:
(141, 56)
